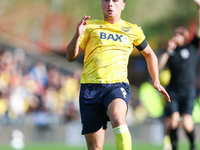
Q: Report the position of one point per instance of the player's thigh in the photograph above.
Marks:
(116, 103)
(116, 112)
(95, 140)
(91, 108)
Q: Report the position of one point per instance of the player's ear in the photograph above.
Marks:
(124, 4)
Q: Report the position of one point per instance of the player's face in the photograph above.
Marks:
(112, 10)
(179, 36)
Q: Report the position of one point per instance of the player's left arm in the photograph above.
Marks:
(152, 64)
(198, 19)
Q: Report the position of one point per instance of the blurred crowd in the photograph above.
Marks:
(47, 95)
(38, 89)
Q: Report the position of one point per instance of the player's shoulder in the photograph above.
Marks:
(95, 22)
(131, 25)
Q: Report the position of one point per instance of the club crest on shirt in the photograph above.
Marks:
(185, 53)
(126, 29)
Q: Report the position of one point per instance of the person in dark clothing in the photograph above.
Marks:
(181, 58)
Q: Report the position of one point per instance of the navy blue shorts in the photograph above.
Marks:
(94, 99)
(182, 101)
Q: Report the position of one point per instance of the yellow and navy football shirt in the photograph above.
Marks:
(107, 48)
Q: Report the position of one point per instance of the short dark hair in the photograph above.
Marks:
(179, 25)
(179, 28)
(123, 0)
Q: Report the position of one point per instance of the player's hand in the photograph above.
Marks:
(171, 45)
(198, 2)
(81, 27)
(162, 91)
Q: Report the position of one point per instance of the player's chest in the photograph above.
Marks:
(180, 55)
(116, 36)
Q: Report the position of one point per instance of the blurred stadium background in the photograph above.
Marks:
(39, 88)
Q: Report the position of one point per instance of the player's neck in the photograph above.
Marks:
(112, 20)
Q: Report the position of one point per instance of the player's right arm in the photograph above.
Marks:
(162, 61)
(73, 50)
(198, 26)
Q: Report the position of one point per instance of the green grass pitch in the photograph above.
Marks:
(136, 146)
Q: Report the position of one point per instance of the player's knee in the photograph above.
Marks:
(118, 121)
(174, 124)
(189, 127)
(94, 145)
(188, 122)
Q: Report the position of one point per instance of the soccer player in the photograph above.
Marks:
(181, 58)
(105, 89)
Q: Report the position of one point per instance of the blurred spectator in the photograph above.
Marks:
(3, 104)
(54, 76)
(39, 73)
(71, 112)
(39, 90)
(17, 95)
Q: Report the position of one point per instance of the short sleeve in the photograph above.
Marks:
(140, 37)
